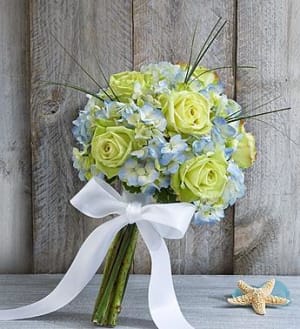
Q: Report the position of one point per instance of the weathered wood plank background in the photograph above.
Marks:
(267, 222)
(262, 234)
(15, 154)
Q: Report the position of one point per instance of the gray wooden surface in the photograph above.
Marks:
(261, 236)
(267, 226)
(15, 155)
(202, 299)
(81, 26)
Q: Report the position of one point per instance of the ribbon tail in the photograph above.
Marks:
(163, 304)
(85, 265)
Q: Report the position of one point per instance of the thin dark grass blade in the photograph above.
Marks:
(253, 109)
(258, 114)
(208, 38)
(104, 76)
(210, 43)
(80, 66)
(100, 66)
(194, 66)
(259, 100)
(221, 68)
(201, 50)
(191, 52)
(73, 87)
(202, 54)
(277, 129)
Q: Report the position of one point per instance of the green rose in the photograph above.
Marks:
(245, 153)
(201, 178)
(186, 112)
(111, 147)
(129, 84)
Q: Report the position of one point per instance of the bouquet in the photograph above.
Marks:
(171, 141)
(165, 133)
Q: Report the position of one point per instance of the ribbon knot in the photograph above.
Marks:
(133, 212)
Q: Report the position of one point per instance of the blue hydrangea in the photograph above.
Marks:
(82, 127)
(235, 187)
(222, 131)
(167, 155)
(175, 148)
(233, 108)
(223, 106)
(139, 173)
(172, 154)
(203, 145)
(153, 117)
(86, 168)
(224, 127)
(112, 109)
(207, 213)
(130, 114)
(138, 117)
(211, 89)
(165, 76)
(77, 164)
(163, 181)
(152, 150)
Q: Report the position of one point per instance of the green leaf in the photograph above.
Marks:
(165, 195)
(110, 180)
(131, 189)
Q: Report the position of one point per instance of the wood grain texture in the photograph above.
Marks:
(163, 32)
(202, 300)
(81, 26)
(267, 226)
(15, 158)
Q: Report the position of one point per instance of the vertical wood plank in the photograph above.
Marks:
(267, 227)
(163, 31)
(82, 25)
(15, 153)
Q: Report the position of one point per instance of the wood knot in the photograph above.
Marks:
(50, 107)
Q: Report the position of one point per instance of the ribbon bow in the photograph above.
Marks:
(98, 199)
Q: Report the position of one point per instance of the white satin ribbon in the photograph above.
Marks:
(97, 199)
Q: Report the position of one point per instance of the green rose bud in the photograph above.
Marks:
(201, 178)
(186, 112)
(245, 153)
(111, 147)
(129, 84)
(205, 76)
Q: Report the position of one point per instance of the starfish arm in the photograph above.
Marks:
(244, 287)
(259, 306)
(268, 287)
(240, 300)
(275, 300)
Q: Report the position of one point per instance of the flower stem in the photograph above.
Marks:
(115, 276)
(122, 280)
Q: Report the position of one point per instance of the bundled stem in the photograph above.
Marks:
(115, 276)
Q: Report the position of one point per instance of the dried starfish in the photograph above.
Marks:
(257, 297)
